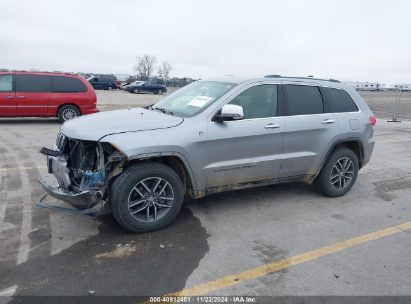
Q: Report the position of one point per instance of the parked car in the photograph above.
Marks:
(146, 87)
(211, 136)
(45, 94)
(103, 83)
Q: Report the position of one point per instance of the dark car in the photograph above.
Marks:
(147, 87)
(103, 83)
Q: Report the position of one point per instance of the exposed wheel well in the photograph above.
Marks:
(67, 104)
(355, 146)
(176, 164)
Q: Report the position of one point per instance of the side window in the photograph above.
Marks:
(258, 102)
(6, 83)
(33, 83)
(67, 84)
(303, 100)
(340, 100)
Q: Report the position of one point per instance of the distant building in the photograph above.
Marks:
(403, 86)
(366, 86)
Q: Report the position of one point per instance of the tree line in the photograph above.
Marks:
(146, 64)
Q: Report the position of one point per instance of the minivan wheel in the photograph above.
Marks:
(68, 112)
(160, 91)
(136, 91)
(110, 88)
(146, 197)
(339, 173)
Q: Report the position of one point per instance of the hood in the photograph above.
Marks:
(96, 126)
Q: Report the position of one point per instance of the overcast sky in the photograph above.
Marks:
(365, 40)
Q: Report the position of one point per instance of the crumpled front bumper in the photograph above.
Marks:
(85, 202)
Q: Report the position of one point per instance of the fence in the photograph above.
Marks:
(390, 105)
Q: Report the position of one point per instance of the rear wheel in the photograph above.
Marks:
(160, 91)
(146, 197)
(136, 91)
(339, 173)
(68, 112)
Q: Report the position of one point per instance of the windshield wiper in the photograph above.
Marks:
(163, 110)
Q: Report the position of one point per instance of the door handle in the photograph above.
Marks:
(271, 126)
(21, 97)
(9, 97)
(328, 121)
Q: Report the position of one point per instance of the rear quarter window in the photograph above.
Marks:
(340, 101)
(33, 83)
(67, 84)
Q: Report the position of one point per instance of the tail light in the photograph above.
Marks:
(373, 120)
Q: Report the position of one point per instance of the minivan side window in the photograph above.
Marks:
(6, 83)
(259, 101)
(340, 100)
(304, 100)
(33, 83)
(67, 84)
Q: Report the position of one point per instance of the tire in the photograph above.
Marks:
(160, 91)
(68, 112)
(127, 195)
(332, 183)
(109, 88)
(136, 91)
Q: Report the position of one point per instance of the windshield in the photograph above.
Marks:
(137, 83)
(193, 98)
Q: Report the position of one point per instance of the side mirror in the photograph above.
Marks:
(230, 112)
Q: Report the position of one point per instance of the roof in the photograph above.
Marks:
(40, 73)
(241, 79)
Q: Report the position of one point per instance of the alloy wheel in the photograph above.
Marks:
(150, 199)
(342, 173)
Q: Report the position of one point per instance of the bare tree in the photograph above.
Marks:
(164, 70)
(145, 65)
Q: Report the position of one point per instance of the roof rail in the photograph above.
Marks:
(309, 77)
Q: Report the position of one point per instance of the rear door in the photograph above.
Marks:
(309, 131)
(33, 94)
(66, 90)
(7, 96)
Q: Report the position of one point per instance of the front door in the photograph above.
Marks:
(246, 150)
(7, 96)
(33, 93)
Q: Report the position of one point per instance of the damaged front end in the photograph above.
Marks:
(82, 170)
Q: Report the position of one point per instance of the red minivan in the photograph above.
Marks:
(45, 94)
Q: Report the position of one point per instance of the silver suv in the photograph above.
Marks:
(211, 136)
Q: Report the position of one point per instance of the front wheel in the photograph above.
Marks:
(160, 91)
(146, 197)
(339, 173)
(136, 91)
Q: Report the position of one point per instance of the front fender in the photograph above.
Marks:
(143, 145)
